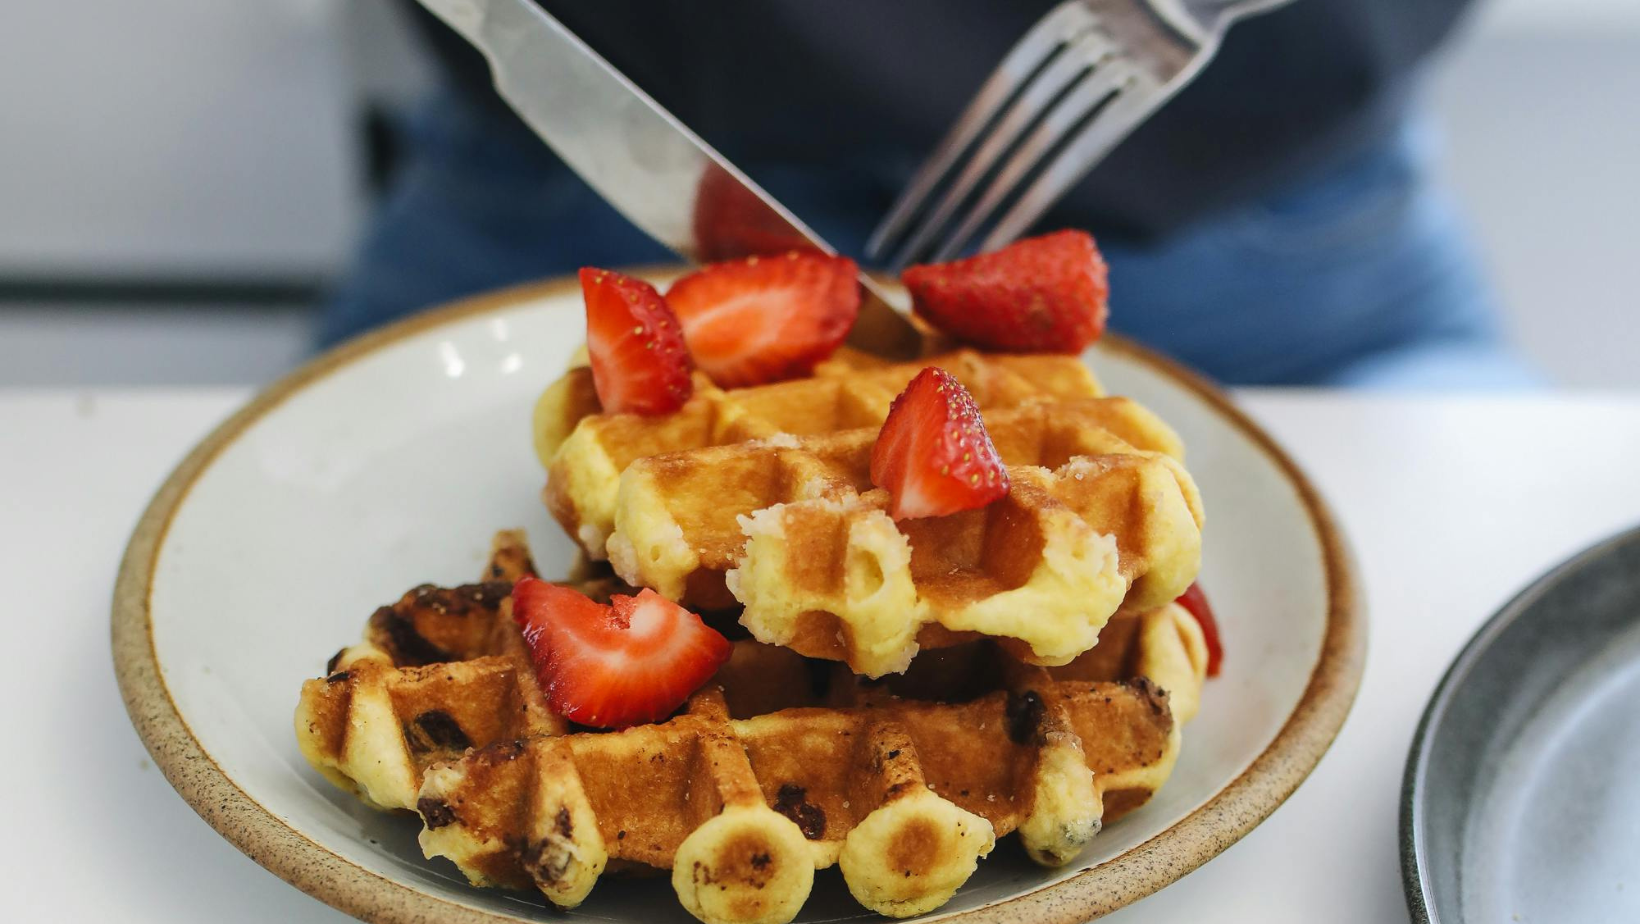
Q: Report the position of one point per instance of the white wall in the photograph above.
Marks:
(173, 137)
(1584, 16)
(1541, 100)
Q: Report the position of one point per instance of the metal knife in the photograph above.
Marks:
(646, 163)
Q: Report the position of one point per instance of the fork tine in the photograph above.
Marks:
(1087, 51)
(1063, 23)
(1065, 116)
(1124, 113)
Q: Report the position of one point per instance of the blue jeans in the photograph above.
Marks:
(1360, 276)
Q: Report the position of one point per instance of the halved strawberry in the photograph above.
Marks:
(1041, 295)
(933, 454)
(762, 319)
(731, 221)
(639, 362)
(1196, 602)
(631, 661)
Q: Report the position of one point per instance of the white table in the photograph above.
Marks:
(1452, 504)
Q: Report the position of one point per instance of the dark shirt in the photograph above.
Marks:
(825, 84)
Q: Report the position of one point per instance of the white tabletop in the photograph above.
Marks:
(1452, 505)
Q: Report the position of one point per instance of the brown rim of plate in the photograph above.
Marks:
(1229, 815)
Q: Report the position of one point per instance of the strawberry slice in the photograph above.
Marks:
(933, 454)
(1041, 295)
(639, 362)
(1196, 602)
(633, 660)
(763, 319)
(731, 221)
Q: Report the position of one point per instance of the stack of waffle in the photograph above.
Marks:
(947, 690)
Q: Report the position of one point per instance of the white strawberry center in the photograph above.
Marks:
(650, 622)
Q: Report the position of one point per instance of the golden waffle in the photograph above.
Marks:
(437, 671)
(761, 780)
(446, 669)
(905, 796)
(826, 571)
(585, 450)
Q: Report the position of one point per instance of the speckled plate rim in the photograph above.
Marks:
(1415, 878)
(256, 831)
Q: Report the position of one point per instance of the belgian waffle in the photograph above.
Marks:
(760, 780)
(1101, 515)
(437, 672)
(585, 450)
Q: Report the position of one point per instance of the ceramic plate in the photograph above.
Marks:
(1521, 800)
(390, 462)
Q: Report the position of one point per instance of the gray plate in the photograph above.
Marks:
(1522, 793)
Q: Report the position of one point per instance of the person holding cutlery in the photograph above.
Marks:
(1277, 223)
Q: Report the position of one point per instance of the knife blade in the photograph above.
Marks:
(640, 158)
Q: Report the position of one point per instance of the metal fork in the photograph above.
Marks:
(1082, 78)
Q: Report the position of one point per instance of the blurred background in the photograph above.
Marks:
(179, 179)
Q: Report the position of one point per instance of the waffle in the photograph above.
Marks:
(443, 670)
(904, 796)
(436, 672)
(760, 780)
(792, 529)
(586, 450)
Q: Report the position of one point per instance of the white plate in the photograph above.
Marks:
(391, 461)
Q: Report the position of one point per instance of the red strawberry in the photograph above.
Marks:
(731, 221)
(1196, 602)
(933, 454)
(763, 319)
(639, 362)
(1040, 295)
(631, 661)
